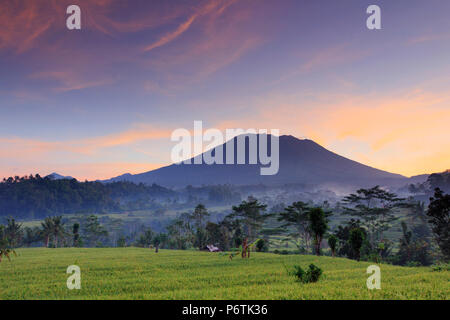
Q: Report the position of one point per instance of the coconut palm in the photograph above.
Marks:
(4, 250)
(13, 232)
(58, 229)
(47, 229)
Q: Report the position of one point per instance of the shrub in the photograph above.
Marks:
(441, 267)
(276, 251)
(299, 273)
(314, 273)
(261, 245)
(311, 275)
(413, 264)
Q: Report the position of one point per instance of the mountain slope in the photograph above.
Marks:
(301, 162)
(56, 176)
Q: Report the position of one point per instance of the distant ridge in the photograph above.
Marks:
(56, 176)
(301, 162)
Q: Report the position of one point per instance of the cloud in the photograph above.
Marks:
(22, 23)
(136, 134)
(173, 35)
(70, 80)
(36, 36)
(85, 158)
(17, 147)
(222, 33)
(326, 58)
(428, 37)
(217, 6)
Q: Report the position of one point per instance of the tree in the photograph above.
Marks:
(121, 242)
(58, 230)
(36, 197)
(5, 250)
(47, 230)
(76, 234)
(31, 235)
(157, 241)
(93, 230)
(332, 242)
(296, 216)
(145, 240)
(376, 208)
(179, 233)
(13, 232)
(419, 218)
(439, 218)
(251, 214)
(199, 217)
(356, 239)
(318, 224)
(218, 234)
(411, 250)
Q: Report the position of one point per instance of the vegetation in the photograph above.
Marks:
(132, 271)
(295, 220)
(37, 197)
(356, 238)
(249, 227)
(139, 273)
(434, 181)
(5, 251)
(318, 224)
(311, 275)
(332, 243)
(375, 207)
(439, 213)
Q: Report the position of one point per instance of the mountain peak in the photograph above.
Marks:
(56, 176)
(301, 161)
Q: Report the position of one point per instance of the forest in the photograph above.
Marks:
(34, 197)
(365, 218)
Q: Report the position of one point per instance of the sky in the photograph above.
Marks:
(102, 101)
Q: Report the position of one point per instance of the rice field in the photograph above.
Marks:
(137, 273)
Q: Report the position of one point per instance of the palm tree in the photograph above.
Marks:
(6, 252)
(47, 229)
(58, 229)
(4, 249)
(13, 232)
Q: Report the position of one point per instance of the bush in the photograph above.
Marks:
(276, 251)
(311, 275)
(314, 273)
(441, 267)
(412, 264)
(261, 245)
(299, 273)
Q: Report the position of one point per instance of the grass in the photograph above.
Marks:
(135, 273)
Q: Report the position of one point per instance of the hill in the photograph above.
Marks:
(301, 162)
(36, 197)
(57, 176)
(132, 273)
